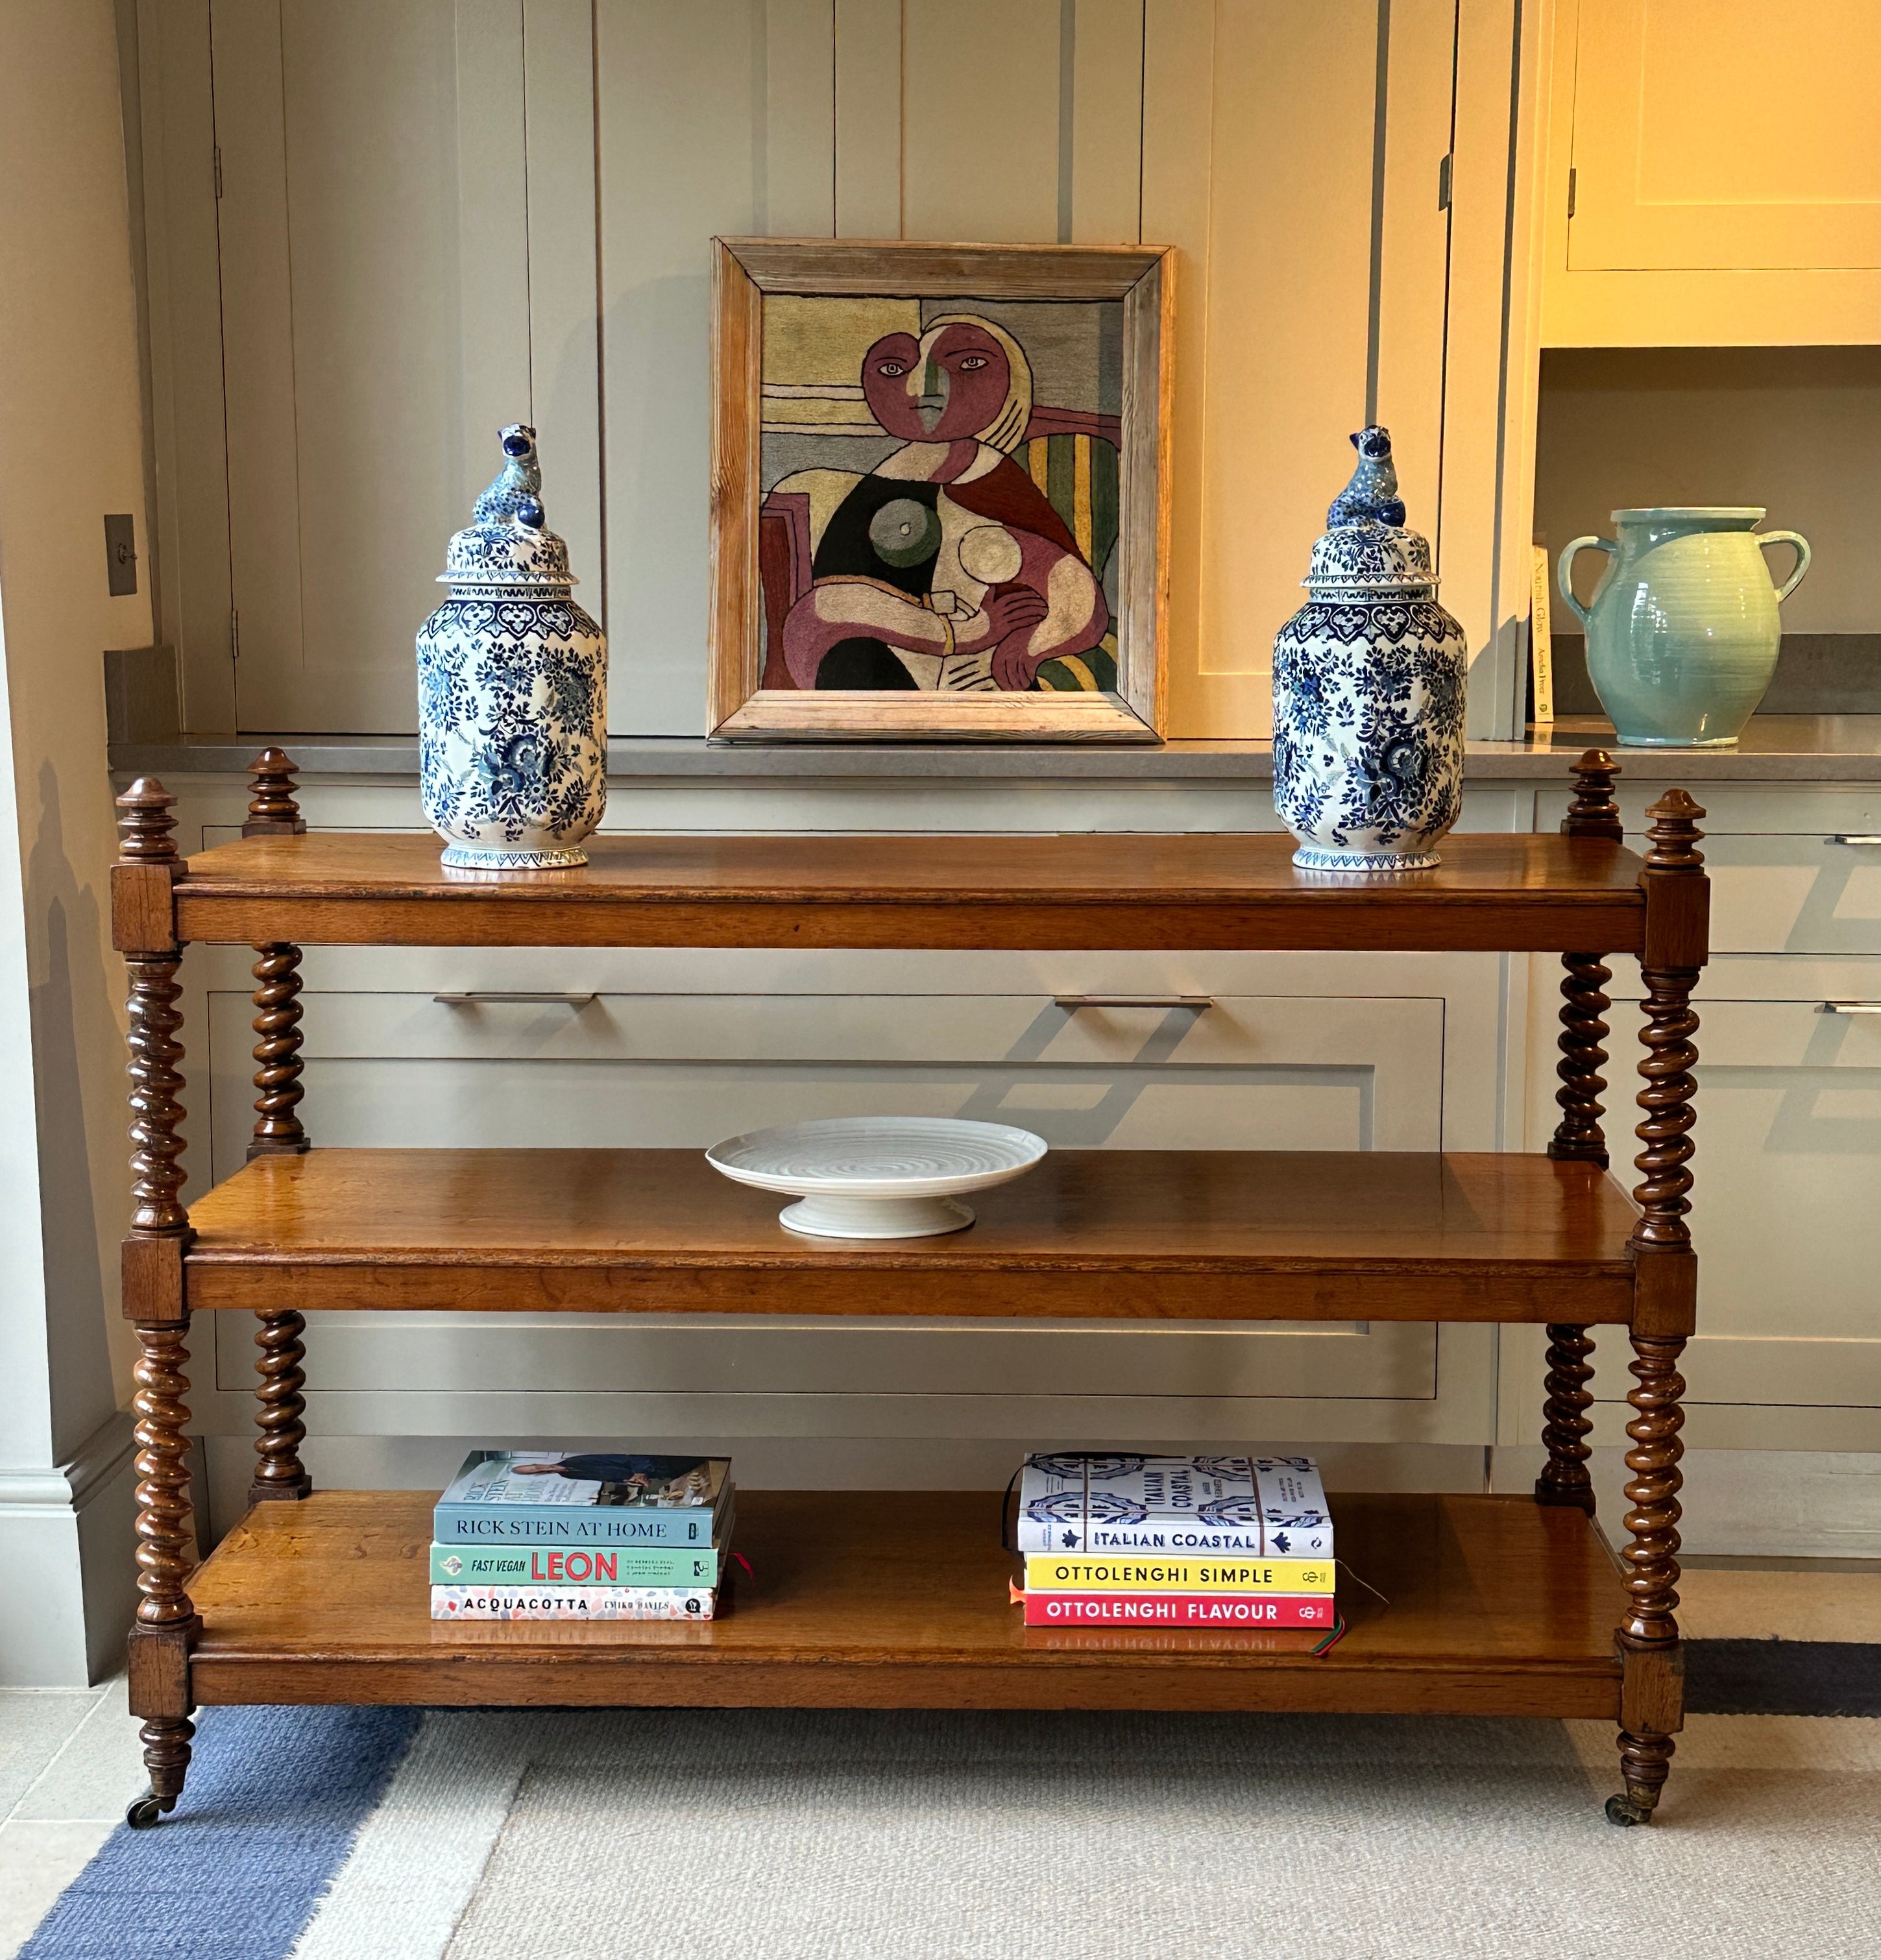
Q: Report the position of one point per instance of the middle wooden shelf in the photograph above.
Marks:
(1181, 1235)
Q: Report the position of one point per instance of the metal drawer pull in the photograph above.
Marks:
(479, 1000)
(1852, 838)
(1194, 1002)
(1850, 1007)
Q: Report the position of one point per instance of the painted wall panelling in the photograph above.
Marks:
(439, 217)
(1293, 153)
(1727, 182)
(1491, 354)
(188, 523)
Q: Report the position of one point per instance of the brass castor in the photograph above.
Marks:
(146, 1810)
(1623, 1811)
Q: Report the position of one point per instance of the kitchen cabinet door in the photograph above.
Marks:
(1726, 176)
(404, 262)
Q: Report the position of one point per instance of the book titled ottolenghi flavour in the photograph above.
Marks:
(1270, 1506)
(549, 1496)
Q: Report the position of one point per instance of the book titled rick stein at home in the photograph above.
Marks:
(593, 1498)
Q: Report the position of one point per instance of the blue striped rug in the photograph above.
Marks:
(275, 1799)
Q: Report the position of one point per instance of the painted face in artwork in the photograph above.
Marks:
(946, 387)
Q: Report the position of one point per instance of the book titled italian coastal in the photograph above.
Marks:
(1179, 1609)
(573, 1602)
(1265, 1505)
(598, 1497)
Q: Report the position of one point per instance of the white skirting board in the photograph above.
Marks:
(66, 1546)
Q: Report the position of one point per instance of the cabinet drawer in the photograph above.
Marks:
(1783, 1210)
(1794, 894)
(1781, 880)
(681, 1070)
(1247, 1072)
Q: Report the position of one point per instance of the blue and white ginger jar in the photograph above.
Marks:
(512, 688)
(1369, 680)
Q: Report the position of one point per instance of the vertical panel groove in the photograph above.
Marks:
(529, 309)
(1067, 114)
(600, 298)
(1449, 234)
(1143, 70)
(1381, 96)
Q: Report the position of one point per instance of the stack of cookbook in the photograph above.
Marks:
(1116, 1540)
(601, 1534)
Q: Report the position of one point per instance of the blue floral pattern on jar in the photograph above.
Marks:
(512, 690)
(1369, 678)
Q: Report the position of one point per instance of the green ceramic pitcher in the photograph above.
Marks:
(1682, 631)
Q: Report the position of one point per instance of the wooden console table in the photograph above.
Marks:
(1498, 1604)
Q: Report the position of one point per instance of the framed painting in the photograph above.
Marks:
(940, 491)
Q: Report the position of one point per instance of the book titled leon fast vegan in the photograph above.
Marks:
(522, 1567)
(597, 1498)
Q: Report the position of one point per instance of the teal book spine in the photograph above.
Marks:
(525, 1565)
(514, 1526)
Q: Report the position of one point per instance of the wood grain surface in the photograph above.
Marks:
(943, 271)
(1172, 1234)
(1220, 892)
(1497, 1605)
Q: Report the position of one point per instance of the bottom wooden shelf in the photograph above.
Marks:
(898, 1599)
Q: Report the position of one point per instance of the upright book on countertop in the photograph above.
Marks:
(592, 1498)
(1265, 1507)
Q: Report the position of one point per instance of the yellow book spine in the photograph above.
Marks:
(1053, 1572)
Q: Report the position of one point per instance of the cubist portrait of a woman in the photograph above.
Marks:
(928, 521)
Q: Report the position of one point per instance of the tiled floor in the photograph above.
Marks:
(69, 1763)
(1762, 1602)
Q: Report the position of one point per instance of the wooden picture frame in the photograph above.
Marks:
(990, 689)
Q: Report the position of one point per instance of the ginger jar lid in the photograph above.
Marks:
(508, 542)
(1366, 547)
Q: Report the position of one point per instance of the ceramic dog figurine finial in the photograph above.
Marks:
(1373, 491)
(516, 492)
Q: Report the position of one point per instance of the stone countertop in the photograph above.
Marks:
(1775, 748)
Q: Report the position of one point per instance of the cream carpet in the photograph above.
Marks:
(849, 1835)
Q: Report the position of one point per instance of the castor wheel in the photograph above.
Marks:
(146, 1810)
(1622, 1810)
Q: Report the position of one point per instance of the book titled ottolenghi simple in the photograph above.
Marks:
(1266, 1507)
(600, 1497)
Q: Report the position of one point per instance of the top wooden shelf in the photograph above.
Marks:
(1213, 892)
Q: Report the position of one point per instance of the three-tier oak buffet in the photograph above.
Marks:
(1478, 1605)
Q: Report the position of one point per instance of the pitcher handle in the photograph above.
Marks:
(1564, 571)
(1802, 545)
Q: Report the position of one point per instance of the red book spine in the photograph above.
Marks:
(1179, 1609)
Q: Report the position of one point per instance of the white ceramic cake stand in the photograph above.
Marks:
(877, 1177)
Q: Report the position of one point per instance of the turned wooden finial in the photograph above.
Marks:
(273, 811)
(1673, 836)
(143, 830)
(1594, 812)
